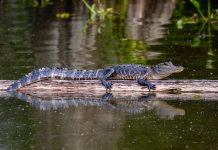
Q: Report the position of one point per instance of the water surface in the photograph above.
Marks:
(138, 32)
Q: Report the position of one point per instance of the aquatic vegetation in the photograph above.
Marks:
(211, 18)
(206, 23)
(63, 15)
(98, 13)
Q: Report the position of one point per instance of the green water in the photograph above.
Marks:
(138, 32)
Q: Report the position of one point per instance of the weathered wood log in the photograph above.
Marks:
(166, 86)
(166, 89)
(4, 84)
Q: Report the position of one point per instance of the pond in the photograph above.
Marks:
(143, 32)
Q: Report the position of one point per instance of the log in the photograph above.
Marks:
(165, 86)
(166, 89)
(4, 84)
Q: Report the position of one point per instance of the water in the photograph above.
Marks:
(31, 38)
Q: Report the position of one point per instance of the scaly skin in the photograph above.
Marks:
(137, 72)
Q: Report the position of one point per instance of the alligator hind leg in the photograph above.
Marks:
(147, 83)
(104, 80)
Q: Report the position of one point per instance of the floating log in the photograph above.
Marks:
(4, 84)
(166, 89)
(166, 86)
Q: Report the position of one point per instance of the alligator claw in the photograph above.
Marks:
(107, 84)
(147, 83)
(151, 86)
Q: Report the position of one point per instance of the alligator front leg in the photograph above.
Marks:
(147, 83)
(107, 73)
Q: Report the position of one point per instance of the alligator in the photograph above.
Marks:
(138, 72)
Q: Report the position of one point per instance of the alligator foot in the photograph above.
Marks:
(107, 84)
(146, 83)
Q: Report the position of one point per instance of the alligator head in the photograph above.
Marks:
(163, 70)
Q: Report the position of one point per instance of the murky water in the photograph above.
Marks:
(138, 32)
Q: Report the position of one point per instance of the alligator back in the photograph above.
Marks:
(128, 71)
(55, 73)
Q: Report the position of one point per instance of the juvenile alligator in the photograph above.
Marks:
(137, 72)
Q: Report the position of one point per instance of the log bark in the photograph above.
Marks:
(165, 86)
(166, 89)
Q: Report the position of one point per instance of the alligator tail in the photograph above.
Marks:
(33, 76)
(56, 73)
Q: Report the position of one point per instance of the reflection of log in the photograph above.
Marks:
(166, 89)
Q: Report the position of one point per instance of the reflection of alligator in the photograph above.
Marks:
(59, 101)
(132, 105)
(118, 72)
